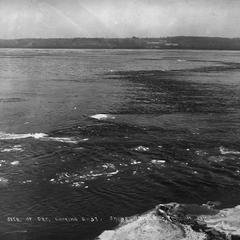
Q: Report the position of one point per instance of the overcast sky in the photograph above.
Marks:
(118, 18)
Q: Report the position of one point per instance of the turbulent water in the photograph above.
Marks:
(87, 136)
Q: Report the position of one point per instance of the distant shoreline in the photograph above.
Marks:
(179, 42)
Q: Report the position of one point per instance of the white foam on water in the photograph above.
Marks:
(154, 161)
(62, 139)
(141, 149)
(3, 181)
(15, 163)
(77, 184)
(113, 173)
(26, 181)
(102, 116)
(225, 151)
(109, 165)
(15, 148)
(78, 180)
(13, 136)
(181, 60)
(38, 136)
(134, 162)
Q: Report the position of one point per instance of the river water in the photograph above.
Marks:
(87, 136)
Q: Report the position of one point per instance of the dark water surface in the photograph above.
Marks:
(101, 133)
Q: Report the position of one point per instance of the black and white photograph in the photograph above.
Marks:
(119, 120)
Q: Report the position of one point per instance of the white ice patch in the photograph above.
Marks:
(225, 151)
(102, 116)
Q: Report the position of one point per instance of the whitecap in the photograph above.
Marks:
(62, 139)
(77, 180)
(15, 148)
(141, 149)
(13, 136)
(113, 173)
(77, 184)
(102, 116)
(134, 162)
(38, 136)
(3, 181)
(181, 60)
(154, 161)
(26, 181)
(109, 165)
(225, 151)
(15, 163)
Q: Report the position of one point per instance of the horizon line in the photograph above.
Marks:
(130, 37)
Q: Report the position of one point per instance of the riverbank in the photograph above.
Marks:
(179, 221)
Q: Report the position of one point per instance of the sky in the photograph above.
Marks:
(118, 18)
